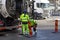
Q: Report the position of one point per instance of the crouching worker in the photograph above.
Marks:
(34, 25)
(24, 19)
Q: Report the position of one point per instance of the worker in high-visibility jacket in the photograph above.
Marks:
(24, 18)
(33, 24)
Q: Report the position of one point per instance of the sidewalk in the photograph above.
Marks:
(54, 18)
(48, 23)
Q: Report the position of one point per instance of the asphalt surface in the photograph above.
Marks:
(41, 35)
(45, 31)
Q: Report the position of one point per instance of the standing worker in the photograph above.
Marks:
(24, 19)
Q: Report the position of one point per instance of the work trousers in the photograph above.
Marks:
(25, 29)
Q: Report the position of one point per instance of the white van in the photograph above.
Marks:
(42, 7)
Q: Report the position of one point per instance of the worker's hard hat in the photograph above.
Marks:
(25, 11)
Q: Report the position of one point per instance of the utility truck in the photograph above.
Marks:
(9, 12)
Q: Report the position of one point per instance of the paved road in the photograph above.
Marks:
(45, 31)
(41, 35)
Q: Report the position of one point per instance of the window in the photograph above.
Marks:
(0, 1)
(42, 5)
(38, 5)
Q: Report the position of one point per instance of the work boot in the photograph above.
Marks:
(26, 33)
(35, 32)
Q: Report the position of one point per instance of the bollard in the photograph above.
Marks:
(56, 25)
